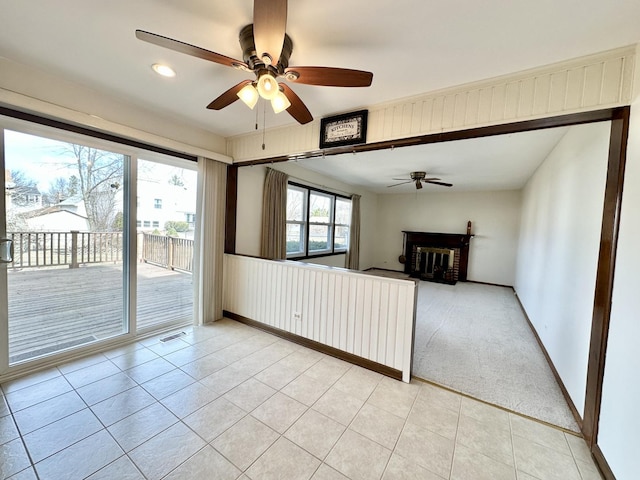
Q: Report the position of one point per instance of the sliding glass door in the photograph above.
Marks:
(65, 217)
(100, 240)
(165, 218)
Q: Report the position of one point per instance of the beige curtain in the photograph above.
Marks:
(209, 241)
(353, 254)
(273, 244)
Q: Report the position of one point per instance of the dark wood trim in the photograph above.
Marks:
(538, 124)
(231, 210)
(565, 392)
(490, 284)
(602, 464)
(605, 273)
(90, 132)
(320, 347)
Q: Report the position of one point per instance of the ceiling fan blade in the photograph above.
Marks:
(192, 50)
(439, 183)
(430, 179)
(396, 184)
(330, 76)
(228, 97)
(269, 25)
(298, 109)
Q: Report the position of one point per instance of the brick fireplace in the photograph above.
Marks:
(437, 257)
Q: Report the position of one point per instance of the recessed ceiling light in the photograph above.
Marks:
(164, 70)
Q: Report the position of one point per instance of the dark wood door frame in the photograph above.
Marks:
(605, 273)
(619, 118)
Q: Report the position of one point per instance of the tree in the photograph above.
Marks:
(20, 187)
(176, 180)
(177, 226)
(100, 176)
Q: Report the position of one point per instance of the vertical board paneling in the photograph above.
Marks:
(375, 321)
(558, 91)
(611, 81)
(436, 114)
(360, 314)
(511, 98)
(497, 102)
(448, 110)
(575, 88)
(484, 105)
(592, 84)
(541, 94)
(384, 323)
(416, 118)
(459, 110)
(473, 105)
(427, 115)
(527, 94)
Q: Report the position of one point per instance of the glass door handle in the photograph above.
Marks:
(6, 250)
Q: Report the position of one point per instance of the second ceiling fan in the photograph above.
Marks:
(266, 49)
(419, 178)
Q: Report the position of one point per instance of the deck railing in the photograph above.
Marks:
(74, 248)
(170, 252)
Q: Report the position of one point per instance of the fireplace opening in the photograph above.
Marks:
(435, 263)
(437, 257)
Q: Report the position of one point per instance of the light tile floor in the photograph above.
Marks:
(227, 401)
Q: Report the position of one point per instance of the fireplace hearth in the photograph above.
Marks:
(437, 257)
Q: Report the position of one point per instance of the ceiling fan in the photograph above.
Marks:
(419, 178)
(266, 49)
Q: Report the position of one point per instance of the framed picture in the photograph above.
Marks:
(346, 129)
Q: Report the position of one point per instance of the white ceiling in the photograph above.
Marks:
(411, 46)
(503, 162)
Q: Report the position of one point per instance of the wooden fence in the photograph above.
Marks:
(49, 249)
(170, 252)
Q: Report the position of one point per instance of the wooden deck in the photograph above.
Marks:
(51, 309)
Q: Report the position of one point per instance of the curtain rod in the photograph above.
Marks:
(349, 194)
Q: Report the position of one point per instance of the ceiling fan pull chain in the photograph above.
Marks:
(264, 122)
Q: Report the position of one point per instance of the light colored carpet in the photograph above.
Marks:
(475, 339)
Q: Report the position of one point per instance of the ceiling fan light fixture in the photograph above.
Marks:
(249, 95)
(267, 86)
(280, 102)
(164, 70)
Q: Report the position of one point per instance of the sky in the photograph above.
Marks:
(43, 160)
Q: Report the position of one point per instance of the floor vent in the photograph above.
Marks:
(172, 337)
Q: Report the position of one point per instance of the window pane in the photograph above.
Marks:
(343, 211)
(295, 204)
(342, 238)
(319, 238)
(295, 238)
(320, 208)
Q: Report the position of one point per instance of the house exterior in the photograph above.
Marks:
(492, 102)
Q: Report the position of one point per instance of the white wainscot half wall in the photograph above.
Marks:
(363, 315)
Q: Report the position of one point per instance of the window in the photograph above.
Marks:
(155, 224)
(157, 203)
(147, 224)
(317, 222)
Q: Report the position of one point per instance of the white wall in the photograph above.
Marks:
(558, 249)
(250, 189)
(495, 218)
(619, 421)
(29, 88)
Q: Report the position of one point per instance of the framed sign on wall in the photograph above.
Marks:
(346, 129)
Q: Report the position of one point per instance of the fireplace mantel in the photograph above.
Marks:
(458, 241)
